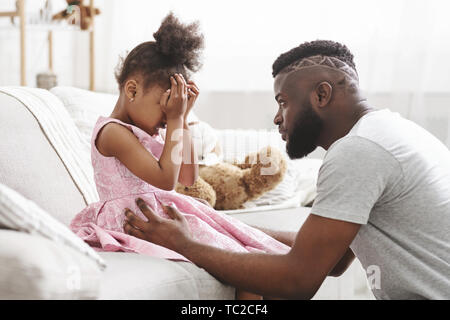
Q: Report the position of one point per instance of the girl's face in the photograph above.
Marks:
(145, 110)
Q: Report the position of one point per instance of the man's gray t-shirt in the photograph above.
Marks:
(392, 177)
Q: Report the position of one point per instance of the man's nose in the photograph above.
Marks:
(278, 119)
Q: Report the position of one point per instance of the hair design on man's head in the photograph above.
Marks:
(317, 53)
(324, 61)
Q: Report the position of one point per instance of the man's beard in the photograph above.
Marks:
(302, 140)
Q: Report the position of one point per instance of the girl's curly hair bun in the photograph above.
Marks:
(180, 43)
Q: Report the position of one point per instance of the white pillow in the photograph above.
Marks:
(19, 213)
(33, 267)
(85, 107)
(298, 187)
(204, 139)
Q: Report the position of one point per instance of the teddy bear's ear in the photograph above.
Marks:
(254, 158)
(248, 161)
(266, 173)
(242, 165)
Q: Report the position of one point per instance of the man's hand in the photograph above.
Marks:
(297, 274)
(171, 233)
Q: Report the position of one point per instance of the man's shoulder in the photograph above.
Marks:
(356, 157)
(356, 147)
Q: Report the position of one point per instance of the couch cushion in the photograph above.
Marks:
(32, 267)
(281, 220)
(134, 276)
(21, 214)
(30, 165)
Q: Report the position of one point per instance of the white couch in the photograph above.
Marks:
(34, 163)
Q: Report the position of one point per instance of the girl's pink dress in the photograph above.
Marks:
(101, 223)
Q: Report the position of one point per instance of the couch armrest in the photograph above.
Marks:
(33, 267)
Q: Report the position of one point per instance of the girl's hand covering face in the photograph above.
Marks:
(174, 100)
(193, 93)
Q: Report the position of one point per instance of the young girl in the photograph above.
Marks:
(131, 160)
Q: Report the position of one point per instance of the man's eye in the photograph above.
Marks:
(282, 104)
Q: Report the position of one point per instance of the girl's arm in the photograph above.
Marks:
(189, 166)
(115, 140)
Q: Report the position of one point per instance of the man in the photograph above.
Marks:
(383, 192)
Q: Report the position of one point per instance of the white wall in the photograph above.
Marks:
(398, 45)
(401, 50)
(256, 109)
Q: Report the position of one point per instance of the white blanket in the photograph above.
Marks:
(62, 134)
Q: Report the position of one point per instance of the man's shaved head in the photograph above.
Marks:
(307, 73)
(324, 60)
(323, 48)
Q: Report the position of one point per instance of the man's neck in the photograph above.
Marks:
(340, 127)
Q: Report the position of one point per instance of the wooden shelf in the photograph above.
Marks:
(44, 27)
(9, 14)
(20, 12)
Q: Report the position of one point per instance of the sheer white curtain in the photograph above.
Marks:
(401, 47)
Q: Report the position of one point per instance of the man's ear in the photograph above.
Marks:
(322, 94)
(130, 89)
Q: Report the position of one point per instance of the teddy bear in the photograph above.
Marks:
(228, 185)
(84, 12)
